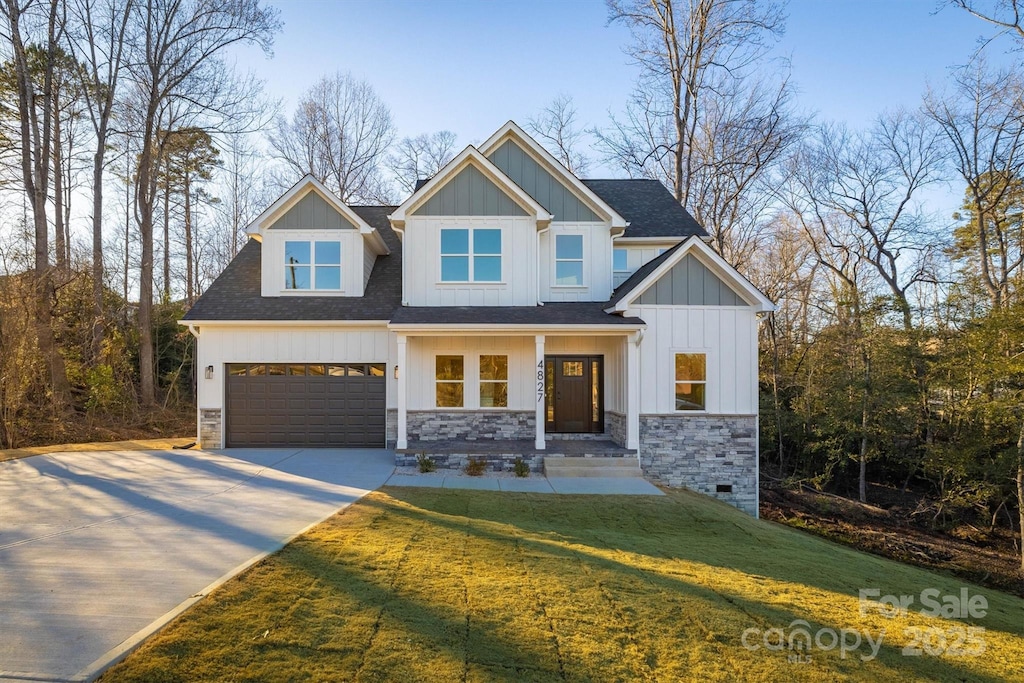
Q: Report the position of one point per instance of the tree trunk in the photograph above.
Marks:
(1020, 490)
(58, 198)
(97, 246)
(167, 238)
(189, 270)
(145, 196)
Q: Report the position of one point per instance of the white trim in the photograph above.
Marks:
(446, 329)
(671, 241)
(470, 156)
(715, 263)
(540, 438)
(300, 189)
(552, 165)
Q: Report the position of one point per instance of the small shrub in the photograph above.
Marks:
(425, 463)
(475, 467)
(521, 468)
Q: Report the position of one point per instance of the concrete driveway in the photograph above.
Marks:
(99, 549)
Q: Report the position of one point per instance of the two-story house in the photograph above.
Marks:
(506, 309)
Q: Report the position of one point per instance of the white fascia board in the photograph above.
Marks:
(470, 155)
(546, 159)
(306, 184)
(718, 265)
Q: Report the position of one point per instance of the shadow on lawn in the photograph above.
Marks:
(431, 507)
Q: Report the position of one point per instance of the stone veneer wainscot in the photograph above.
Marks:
(471, 425)
(701, 453)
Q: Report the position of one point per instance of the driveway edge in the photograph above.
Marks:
(132, 643)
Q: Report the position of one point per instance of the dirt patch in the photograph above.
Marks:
(983, 556)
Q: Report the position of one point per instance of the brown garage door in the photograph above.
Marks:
(327, 405)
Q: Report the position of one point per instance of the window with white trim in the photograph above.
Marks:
(312, 265)
(450, 381)
(568, 260)
(470, 255)
(620, 266)
(493, 381)
(691, 381)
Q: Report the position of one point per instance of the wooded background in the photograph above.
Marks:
(896, 355)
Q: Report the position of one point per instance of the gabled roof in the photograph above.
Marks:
(553, 166)
(649, 207)
(648, 274)
(300, 189)
(470, 156)
(236, 294)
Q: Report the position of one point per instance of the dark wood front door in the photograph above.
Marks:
(574, 394)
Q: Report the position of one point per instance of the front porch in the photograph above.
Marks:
(500, 454)
(519, 393)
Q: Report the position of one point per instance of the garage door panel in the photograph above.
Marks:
(306, 406)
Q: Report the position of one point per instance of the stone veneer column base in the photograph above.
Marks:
(391, 427)
(210, 427)
(615, 426)
(703, 453)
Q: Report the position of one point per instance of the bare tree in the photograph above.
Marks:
(555, 127)
(177, 78)
(1005, 14)
(701, 119)
(99, 40)
(339, 133)
(419, 158)
(36, 115)
(982, 124)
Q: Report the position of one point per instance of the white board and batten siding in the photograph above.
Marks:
(219, 346)
(422, 263)
(727, 334)
(597, 263)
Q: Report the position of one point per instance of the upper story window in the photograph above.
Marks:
(620, 266)
(569, 260)
(691, 380)
(470, 255)
(312, 265)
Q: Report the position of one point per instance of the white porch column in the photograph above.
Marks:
(633, 392)
(539, 443)
(403, 380)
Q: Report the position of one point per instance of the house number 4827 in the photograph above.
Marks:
(540, 381)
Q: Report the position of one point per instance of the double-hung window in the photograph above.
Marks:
(450, 378)
(312, 265)
(691, 380)
(493, 381)
(620, 266)
(470, 255)
(569, 260)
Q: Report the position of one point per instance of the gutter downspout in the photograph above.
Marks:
(401, 238)
(539, 265)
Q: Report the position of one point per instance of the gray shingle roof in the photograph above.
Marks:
(560, 313)
(649, 207)
(235, 294)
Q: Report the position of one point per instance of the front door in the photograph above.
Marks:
(574, 394)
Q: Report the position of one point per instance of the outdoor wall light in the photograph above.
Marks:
(209, 372)
(396, 372)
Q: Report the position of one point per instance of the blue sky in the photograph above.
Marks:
(470, 66)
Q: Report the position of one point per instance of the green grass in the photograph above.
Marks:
(441, 585)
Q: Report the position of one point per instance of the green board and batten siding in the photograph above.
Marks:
(547, 190)
(312, 212)
(470, 193)
(690, 283)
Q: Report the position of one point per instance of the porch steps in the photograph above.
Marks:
(577, 466)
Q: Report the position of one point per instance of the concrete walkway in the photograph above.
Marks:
(535, 483)
(99, 549)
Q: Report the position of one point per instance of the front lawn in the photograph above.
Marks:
(442, 585)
